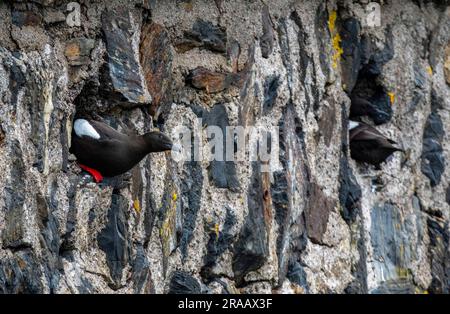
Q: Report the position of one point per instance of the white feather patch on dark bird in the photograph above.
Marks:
(83, 128)
(352, 124)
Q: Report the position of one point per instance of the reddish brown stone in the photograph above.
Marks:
(317, 213)
(26, 18)
(78, 51)
(327, 121)
(212, 82)
(156, 62)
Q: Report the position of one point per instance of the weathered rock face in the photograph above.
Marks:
(318, 223)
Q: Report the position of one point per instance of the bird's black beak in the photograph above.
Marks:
(167, 145)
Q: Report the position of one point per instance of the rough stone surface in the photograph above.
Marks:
(318, 223)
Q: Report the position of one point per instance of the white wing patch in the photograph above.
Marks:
(352, 124)
(84, 128)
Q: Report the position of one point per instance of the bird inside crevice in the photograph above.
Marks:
(369, 145)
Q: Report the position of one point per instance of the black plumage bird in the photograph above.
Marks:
(360, 106)
(368, 145)
(103, 151)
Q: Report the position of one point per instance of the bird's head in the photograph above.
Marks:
(157, 142)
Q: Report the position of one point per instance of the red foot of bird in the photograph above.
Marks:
(97, 175)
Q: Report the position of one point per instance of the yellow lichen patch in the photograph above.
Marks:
(216, 230)
(167, 231)
(297, 289)
(420, 291)
(402, 272)
(430, 70)
(332, 21)
(338, 51)
(174, 197)
(335, 39)
(137, 205)
(391, 97)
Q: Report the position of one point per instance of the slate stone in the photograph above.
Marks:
(289, 183)
(17, 82)
(252, 248)
(114, 239)
(14, 231)
(312, 96)
(191, 191)
(183, 283)
(323, 37)
(417, 99)
(141, 273)
(222, 172)
(349, 192)
(327, 122)
(123, 66)
(420, 76)
(217, 244)
(439, 256)
(21, 274)
(297, 275)
(267, 39)
(354, 287)
(48, 224)
(433, 162)
(393, 250)
(317, 212)
(359, 268)
(205, 35)
(26, 18)
(271, 85)
(436, 101)
(156, 60)
(402, 286)
(351, 56)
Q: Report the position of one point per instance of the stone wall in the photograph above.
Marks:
(320, 223)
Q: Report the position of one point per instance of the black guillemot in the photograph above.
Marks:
(368, 145)
(103, 151)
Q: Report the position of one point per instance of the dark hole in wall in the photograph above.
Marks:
(370, 99)
(362, 66)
